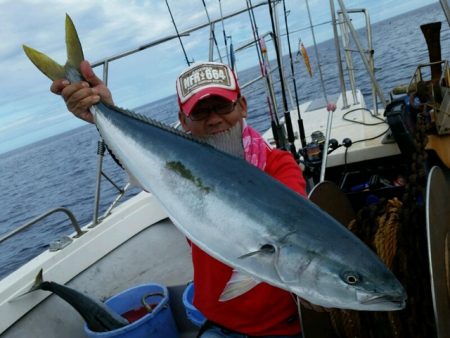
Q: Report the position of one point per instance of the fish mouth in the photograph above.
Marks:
(392, 301)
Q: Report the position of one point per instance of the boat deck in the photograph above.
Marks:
(314, 115)
(157, 254)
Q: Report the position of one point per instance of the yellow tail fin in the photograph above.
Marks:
(51, 68)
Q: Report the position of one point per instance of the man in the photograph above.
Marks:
(213, 109)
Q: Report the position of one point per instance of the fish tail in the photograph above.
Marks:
(51, 68)
(37, 282)
(46, 65)
(73, 45)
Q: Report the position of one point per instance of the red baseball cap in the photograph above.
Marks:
(205, 79)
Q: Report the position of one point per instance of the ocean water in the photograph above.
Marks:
(60, 171)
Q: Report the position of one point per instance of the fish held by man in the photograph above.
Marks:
(98, 316)
(238, 214)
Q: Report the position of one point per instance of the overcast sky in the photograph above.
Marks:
(29, 112)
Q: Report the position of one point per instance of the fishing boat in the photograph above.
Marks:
(351, 155)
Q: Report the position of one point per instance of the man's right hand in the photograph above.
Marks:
(80, 96)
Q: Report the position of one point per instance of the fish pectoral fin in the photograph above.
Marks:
(238, 284)
(46, 65)
(265, 249)
(73, 45)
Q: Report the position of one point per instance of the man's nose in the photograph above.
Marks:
(213, 118)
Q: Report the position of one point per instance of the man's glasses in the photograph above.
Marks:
(222, 108)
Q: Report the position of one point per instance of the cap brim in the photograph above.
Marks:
(205, 93)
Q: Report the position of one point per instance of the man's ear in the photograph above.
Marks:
(243, 104)
(183, 120)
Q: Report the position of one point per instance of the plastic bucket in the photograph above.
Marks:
(194, 315)
(159, 323)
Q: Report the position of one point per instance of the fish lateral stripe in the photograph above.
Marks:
(179, 168)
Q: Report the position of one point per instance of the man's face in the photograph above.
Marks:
(213, 115)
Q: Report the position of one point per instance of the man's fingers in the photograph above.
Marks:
(58, 86)
(80, 106)
(76, 91)
(88, 74)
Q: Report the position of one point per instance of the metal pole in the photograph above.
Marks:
(363, 57)
(445, 8)
(100, 155)
(323, 167)
(371, 61)
(348, 58)
(338, 55)
(224, 34)
(211, 43)
(213, 34)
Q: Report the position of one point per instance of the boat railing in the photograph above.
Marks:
(419, 72)
(66, 211)
(438, 95)
(367, 54)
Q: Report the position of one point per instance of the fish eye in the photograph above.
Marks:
(351, 278)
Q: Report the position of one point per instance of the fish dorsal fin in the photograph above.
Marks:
(73, 45)
(46, 65)
(238, 284)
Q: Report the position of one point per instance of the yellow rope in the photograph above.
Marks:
(385, 240)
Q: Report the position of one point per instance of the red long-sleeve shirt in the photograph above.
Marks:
(264, 310)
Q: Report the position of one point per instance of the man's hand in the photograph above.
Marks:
(80, 96)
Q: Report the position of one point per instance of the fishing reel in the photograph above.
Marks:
(312, 153)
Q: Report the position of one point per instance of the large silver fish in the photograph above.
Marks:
(237, 213)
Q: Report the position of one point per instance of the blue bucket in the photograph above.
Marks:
(159, 323)
(194, 315)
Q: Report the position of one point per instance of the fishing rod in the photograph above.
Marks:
(301, 127)
(225, 38)
(277, 129)
(287, 115)
(178, 35)
(213, 34)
